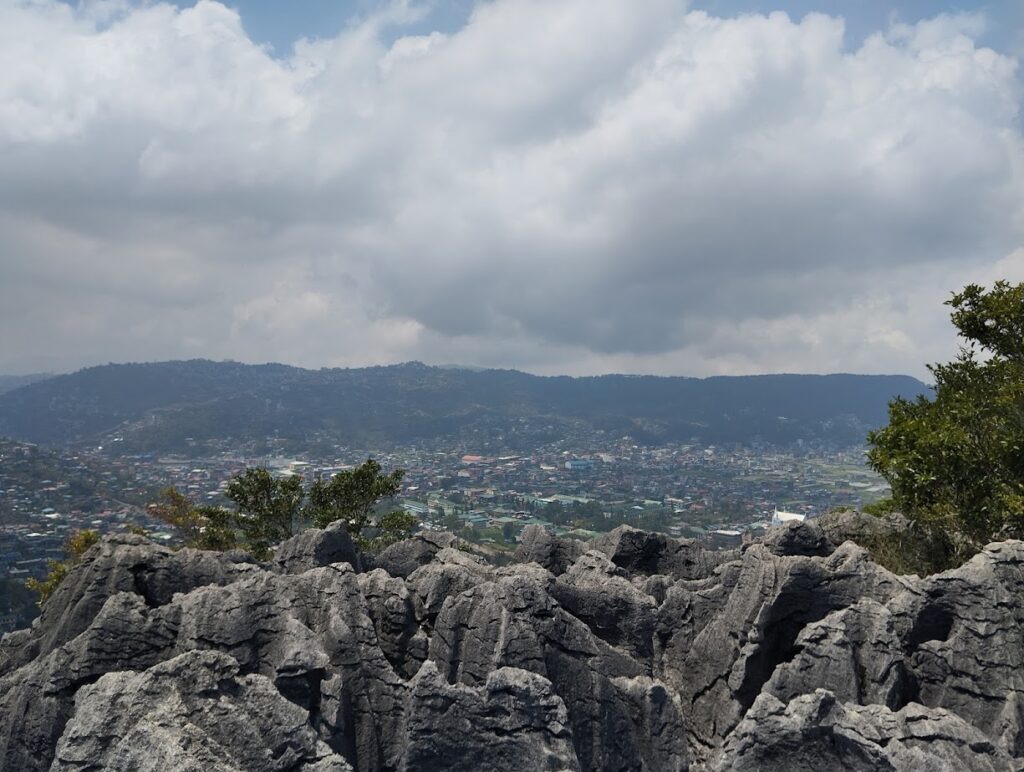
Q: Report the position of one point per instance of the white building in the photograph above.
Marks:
(779, 517)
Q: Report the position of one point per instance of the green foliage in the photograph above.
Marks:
(352, 496)
(956, 462)
(993, 320)
(177, 510)
(218, 531)
(391, 528)
(920, 551)
(880, 507)
(271, 509)
(203, 527)
(75, 547)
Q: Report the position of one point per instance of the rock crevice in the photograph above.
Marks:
(635, 651)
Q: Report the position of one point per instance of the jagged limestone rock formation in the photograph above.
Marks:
(539, 545)
(318, 547)
(816, 731)
(635, 651)
(122, 563)
(850, 525)
(798, 538)
(193, 712)
(403, 558)
(641, 552)
(518, 723)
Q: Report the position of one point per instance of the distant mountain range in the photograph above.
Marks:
(168, 406)
(12, 382)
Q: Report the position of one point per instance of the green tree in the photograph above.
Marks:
(202, 527)
(218, 531)
(270, 509)
(177, 510)
(390, 528)
(955, 461)
(352, 496)
(75, 547)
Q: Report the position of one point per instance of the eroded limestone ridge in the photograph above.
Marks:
(634, 651)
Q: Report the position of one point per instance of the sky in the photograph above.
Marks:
(558, 186)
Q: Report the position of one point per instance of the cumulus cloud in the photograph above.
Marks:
(558, 185)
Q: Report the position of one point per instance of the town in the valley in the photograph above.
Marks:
(721, 495)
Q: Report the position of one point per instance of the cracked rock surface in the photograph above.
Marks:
(634, 651)
(192, 712)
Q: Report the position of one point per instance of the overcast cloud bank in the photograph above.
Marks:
(561, 186)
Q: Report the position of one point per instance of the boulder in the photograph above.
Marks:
(797, 537)
(860, 527)
(514, 720)
(195, 712)
(538, 545)
(816, 731)
(316, 547)
(647, 553)
(597, 592)
(404, 557)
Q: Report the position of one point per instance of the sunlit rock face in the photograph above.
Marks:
(634, 651)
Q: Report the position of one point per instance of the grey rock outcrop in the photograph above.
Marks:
(850, 525)
(855, 653)
(515, 622)
(396, 620)
(797, 538)
(451, 573)
(316, 547)
(403, 558)
(539, 545)
(816, 732)
(518, 723)
(121, 563)
(597, 592)
(644, 552)
(962, 633)
(193, 712)
(952, 641)
(748, 625)
(632, 652)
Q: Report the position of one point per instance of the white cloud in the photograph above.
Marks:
(560, 185)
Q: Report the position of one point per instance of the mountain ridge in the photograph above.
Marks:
(12, 382)
(166, 405)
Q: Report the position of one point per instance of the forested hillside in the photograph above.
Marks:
(167, 405)
(12, 382)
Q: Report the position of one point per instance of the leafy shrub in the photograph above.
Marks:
(955, 462)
